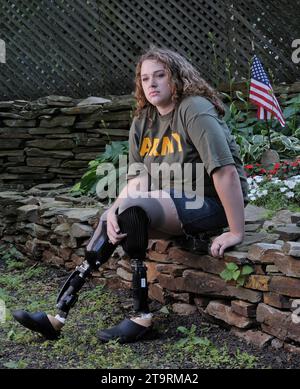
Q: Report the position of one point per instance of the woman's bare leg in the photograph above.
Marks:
(161, 210)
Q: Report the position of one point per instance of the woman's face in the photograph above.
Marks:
(156, 85)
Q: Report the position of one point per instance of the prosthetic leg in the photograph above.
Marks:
(133, 221)
(135, 245)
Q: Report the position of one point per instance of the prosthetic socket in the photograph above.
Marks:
(133, 221)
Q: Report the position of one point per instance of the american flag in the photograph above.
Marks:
(262, 95)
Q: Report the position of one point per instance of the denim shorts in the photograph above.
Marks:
(210, 215)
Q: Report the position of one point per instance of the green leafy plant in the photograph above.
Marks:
(238, 274)
(205, 353)
(190, 338)
(254, 136)
(245, 360)
(291, 109)
(90, 179)
(21, 364)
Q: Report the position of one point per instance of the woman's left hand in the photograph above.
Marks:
(223, 241)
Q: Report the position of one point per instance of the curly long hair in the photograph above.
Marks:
(184, 78)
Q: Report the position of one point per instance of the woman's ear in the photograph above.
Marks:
(173, 88)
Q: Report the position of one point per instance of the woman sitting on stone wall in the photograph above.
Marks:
(185, 177)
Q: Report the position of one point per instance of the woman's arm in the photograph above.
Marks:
(228, 187)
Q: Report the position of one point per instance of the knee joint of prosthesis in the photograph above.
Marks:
(99, 252)
(101, 249)
(134, 221)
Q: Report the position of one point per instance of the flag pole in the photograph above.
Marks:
(269, 133)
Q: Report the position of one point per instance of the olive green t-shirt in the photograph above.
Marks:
(192, 133)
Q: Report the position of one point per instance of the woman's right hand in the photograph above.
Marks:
(113, 230)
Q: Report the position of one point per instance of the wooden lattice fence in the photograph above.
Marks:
(89, 47)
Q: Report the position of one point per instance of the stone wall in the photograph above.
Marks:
(47, 224)
(53, 139)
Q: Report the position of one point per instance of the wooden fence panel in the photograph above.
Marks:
(90, 47)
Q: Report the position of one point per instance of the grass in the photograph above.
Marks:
(34, 287)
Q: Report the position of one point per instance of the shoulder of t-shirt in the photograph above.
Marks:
(137, 121)
(197, 105)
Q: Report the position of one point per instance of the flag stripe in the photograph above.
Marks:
(265, 104)
(268, 104)
(261, 85)
(267, 96)
(265, 88)
(261, 114)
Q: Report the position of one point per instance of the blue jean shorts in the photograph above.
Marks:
(210, 215)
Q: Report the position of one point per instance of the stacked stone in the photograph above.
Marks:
(44, 227)
(47, 224)
(54, 138)
(262, 311)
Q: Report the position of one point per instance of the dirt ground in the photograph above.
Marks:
(177, 342)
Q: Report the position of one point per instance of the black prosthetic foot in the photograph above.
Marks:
(125, 332)
(37, 322)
